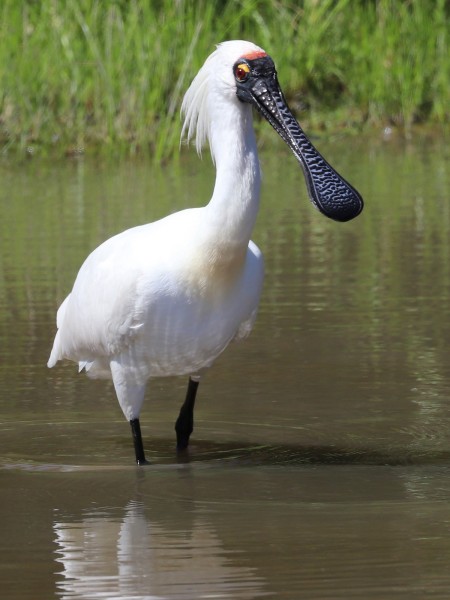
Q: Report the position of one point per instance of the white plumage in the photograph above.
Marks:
(166, 298)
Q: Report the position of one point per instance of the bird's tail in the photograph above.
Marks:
(55, 354)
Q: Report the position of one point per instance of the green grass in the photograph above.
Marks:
(111, 73)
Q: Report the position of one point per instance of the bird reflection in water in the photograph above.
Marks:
(107, 557)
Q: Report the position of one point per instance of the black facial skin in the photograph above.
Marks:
(328, 191)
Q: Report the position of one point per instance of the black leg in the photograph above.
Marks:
(184, 425)
(138, 445)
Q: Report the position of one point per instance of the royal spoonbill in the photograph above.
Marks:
(168, 297)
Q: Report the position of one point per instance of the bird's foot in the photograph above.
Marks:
(138, 445)
(182, 443)
(183, 428)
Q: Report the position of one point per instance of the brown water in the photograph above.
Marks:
(320, 461)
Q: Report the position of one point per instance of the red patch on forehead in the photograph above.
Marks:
(254, 54)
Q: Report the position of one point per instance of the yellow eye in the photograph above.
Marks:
(242, 71)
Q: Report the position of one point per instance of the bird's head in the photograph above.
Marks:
(243, 71)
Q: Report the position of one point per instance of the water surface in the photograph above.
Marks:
(320, 461)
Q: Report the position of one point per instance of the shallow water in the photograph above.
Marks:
(320, 461)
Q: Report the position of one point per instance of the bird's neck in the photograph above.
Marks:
(234, 205)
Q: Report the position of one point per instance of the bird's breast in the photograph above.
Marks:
(200, 304)
(214, 270)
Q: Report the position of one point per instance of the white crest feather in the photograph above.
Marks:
(197, 120)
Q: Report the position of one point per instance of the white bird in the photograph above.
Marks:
(168, 297)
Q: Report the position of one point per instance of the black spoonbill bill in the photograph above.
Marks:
(168, 297)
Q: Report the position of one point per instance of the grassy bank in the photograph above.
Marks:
(83, 73)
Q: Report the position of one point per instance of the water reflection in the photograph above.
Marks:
(131, 557)
(247, 532)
